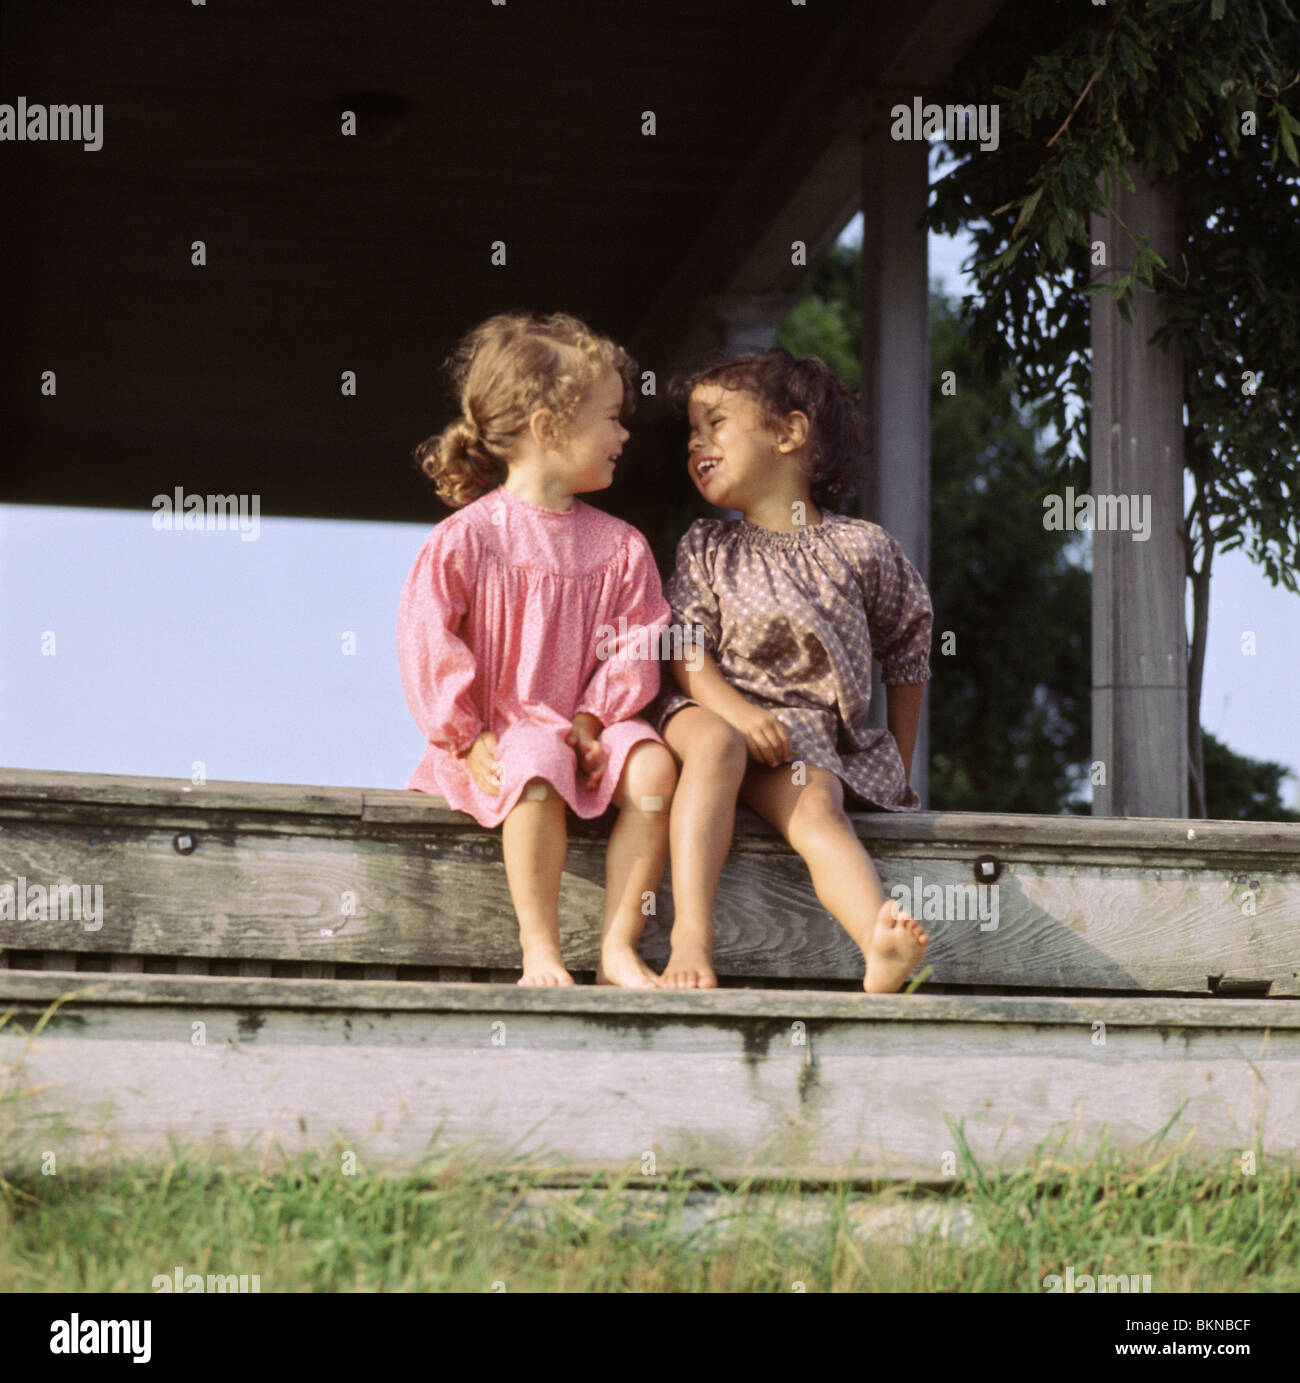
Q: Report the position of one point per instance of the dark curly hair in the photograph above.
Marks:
(782, 384)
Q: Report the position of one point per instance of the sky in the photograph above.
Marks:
(172, 654)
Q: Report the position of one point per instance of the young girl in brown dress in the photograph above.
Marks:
(790, 603)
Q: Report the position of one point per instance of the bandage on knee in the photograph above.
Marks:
(652, 804)
(537, 792)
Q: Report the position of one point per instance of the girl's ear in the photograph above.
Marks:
(793, 431)
(541, 427)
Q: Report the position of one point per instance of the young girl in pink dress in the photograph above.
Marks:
(509, 632)
(790, 602)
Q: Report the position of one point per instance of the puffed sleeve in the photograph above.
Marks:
(437, 668)
(689, 589)
(899, 613)
(626, 676)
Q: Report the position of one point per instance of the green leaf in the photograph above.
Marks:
(1288, 145)
(1056, 240)
(1027, 210)
(1286, 119)
(1127, 56)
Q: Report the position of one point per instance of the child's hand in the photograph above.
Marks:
(591, 757)
(482, 764)
(764, 735)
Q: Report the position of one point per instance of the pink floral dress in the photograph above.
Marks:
(514, 619)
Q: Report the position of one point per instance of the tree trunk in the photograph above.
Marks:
(1195, 674)
(1200, 579)
(1198, 461)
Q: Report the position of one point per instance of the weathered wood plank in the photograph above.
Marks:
(395, 879)
(375, 899)
(819, 1086)
(50, 787)
(1180, 841)
(1192, 844)
(33, 987)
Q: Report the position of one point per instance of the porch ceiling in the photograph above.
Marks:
(477, 123)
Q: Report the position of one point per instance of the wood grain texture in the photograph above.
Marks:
(370, 899)
(39, 988)
(395, 879)
(51, 787)
(728, 1081)
(50, 795)
(1139, 617)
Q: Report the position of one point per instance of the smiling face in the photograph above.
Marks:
(595, 436)
(731, 447)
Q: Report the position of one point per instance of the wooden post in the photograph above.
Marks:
(894, 486)
(749, 320)
(1139, 631)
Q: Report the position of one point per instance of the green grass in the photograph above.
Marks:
(308, 1227)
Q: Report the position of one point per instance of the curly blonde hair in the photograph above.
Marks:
(503, 371)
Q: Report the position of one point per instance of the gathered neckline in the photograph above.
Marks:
(796, 537)
(513, 498)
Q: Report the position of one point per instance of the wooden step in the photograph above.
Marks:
(323, 877)
(821, 1087)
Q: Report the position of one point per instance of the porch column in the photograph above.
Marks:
(748, 321)
(894, 481)
(1139, 630)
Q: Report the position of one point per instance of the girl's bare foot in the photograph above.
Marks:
(543, 965)
(898, 942)
(690, 966)
(620, 965)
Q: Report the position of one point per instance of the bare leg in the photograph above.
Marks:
(811, 818)
(634, 862)
(534, 840)
(713, 758)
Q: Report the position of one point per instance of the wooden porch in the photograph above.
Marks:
(274, 967)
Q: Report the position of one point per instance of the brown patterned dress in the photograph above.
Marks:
(793, 621)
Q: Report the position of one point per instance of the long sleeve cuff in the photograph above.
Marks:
(459, 740)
